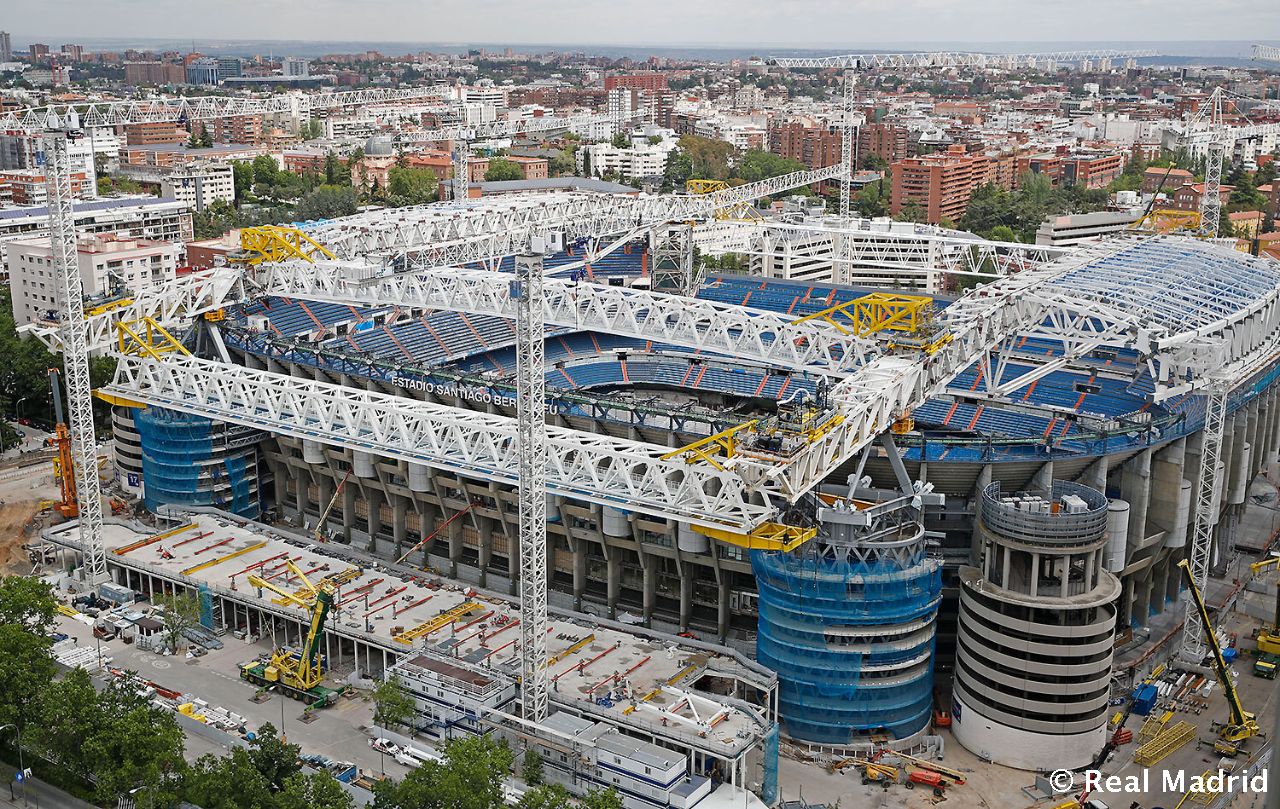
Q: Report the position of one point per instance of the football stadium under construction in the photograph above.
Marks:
(825, 506)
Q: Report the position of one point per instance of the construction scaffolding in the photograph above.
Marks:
(851, 636)
(191, 461)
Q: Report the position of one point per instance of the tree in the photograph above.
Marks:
(28, 603)
(265, 170)
(68, 714)
(406, 186)
(181, 612)
(335, 170)
(230, 782)
(546, 796)
(601, 799)
(501, 170)
(678, 170)
(326, 202)
(531, 767)
(319, 790)
(621, 141)
(911, 212)
(392, 705)
(564, 163)
(242, 178)
(654, 140)
(757, 165)
(1003, 233)
(135, 745)
(470, 777)
(710, 159)
(26, 669)
(275, 758)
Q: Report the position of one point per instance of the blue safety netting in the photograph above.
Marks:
(851, 641)
(187, 461)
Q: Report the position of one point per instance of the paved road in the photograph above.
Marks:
(39, 794)
(335, 732)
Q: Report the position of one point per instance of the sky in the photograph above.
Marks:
(797, 23)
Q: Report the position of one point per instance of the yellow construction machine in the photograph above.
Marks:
(1240, 725)
(297, 673)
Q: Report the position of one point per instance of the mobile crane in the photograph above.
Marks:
(297, 673)
(1241, 725)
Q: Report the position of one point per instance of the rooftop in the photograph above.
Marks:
(403, 614)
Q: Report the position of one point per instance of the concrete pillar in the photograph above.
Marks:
(484, 551)
(1135, 489)
(348, 511)
(373, 498)
(613, 577)
(399, 523)
(649, 564)
(578, 547)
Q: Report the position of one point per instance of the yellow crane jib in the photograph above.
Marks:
(877, 312)
(713, 448)
(1259, 566)
(266, 243)
(439, 622)
(146, 338)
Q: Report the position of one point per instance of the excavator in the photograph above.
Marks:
(298, 674)
(1241, 725)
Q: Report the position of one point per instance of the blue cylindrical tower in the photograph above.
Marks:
(848, 623)
(194, 461)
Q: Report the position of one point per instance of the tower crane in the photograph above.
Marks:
(463, 135)
(1240, 725)
(297, 673)
(58, 126)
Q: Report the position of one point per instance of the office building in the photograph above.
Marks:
(203, 72)
(294, 67)
(6, 47)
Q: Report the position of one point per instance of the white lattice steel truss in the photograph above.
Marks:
(950, 59)
(580, 465)
(1202, 525)
(75, 356)
(531, 405)
(204, 108)
(1268, 53)
(437, 235)
(173, 303)
(770, 338)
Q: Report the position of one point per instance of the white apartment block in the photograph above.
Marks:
(633, 162)
(199, 185)
(109, 265)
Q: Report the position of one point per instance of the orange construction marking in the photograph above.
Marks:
(783, 389)
(565, 374)
(698, 381)
(443, 347)
(217, 544)
(763, 381)
(195, 538)
(1032, 386)
(399, 344)
(687, 371)
(977, 414)
(1049, 430)
(595, 342)
(395, 592)
(142, 543)
(950, 413)
(623, 365)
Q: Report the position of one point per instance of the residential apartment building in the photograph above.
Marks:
(1167, 180)
(202, 72)
(886, 141)
(653, 92)
(146, 217)
(109, 266)
(814, 146)
(27, 186)
(1187, 198)
(153, 73)
(197, 185)
(940, 184)
(633, 162)
(147, 133)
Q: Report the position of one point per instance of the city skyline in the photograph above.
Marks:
(814, 24)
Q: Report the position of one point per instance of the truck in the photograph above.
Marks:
(1266, 665)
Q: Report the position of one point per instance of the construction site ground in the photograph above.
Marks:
(336, 732)
(22, 488)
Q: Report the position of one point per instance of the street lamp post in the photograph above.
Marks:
(22, 769)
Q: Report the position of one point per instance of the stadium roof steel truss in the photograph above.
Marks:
(581, 465)
(203, 108)
(765, 337)
(949, 59)
(433, 236)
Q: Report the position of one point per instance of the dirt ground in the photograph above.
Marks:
(21, 490)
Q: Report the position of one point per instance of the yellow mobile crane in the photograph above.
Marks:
(1241, 725)
(1269, 636)
(297, 673)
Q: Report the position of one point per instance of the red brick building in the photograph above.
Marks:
(887, 141)
(812, 145)
(150, 133)
(1187, 198)
(940, 183)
